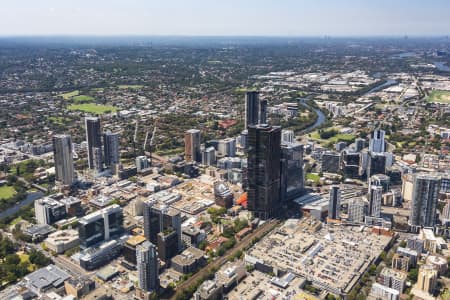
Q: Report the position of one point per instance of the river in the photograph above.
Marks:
(377, 88)
(441, 66)
(320, 117)
(31, 197)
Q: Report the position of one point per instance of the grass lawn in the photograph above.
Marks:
(130, 87)
(26, 258)
(344, 137)
(93, 108)
(67, 96)
(82, 99)
(58, 120)
(439, 96)
(313, 177)
(7, 192)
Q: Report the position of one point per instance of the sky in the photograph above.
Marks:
(225, 17)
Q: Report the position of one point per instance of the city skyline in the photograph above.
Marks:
(231, 18)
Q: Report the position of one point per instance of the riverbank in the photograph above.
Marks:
(31, 197)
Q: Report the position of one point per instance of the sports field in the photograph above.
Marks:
(438, 96)
(7, 192)
(130, 87)
(69, 95)
(82, 99)
(93, 108)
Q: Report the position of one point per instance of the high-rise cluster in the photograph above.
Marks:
(101, 155)
(274, 169)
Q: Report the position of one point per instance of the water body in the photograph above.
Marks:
(388, 82)
(31, 197)
(404, 55)
(320, 117)
(441, 66)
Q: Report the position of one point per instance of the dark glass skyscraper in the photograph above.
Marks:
(334, 206)
(63, 157)
(292, 181)
(93, 138)
(252, 110)
(263, 170)
(158, 219)
(111, 148)
(424, 200)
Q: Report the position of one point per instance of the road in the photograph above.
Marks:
(245, 242)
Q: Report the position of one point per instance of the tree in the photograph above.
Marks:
(413, 274)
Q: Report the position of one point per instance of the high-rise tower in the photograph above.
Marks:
(111, 148)
(424, 200)
(334, 206)
(147, 266)
(62, 150)
(93, 138)
(192, 151)
(263, 170)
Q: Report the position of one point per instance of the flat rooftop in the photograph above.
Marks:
(333, 257)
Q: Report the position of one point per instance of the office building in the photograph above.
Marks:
(375, 198)
(400, 262)
(262, 112)
(252, 109)
(63, 157)
(147, 266)
(227, 147)
(331, 162)
(93, 138)
(292, 181)
(356, 210)
(377, 143)
(380, 291)
(62, 240)
(142, 163)
(412, 254)
(129, 249)
(427, 279)
(111, 148)
(45, 279)
(101, 225)
(359, 144)
(394, 279)
(209, 156)
(424, 200)
(350, 163)
(95, 257)
(98, 159)
(167, 244)
(79, 287)
(223, 195)
(189, 261)
(192, 152)
(209, 290)
(380, 180)
(243, 139)
(159, 219)
(287, 136)
(416, 244)
(446, 212)
(48, 211)
(334, 205)
(263, 170)
(376, 164)
(339, 146)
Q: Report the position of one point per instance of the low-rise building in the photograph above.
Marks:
(45, 279)
(188, 261)
(394, 279)
(62, 240)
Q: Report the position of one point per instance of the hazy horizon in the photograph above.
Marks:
(233, 18)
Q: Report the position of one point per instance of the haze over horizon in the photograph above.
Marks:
(225, 18)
